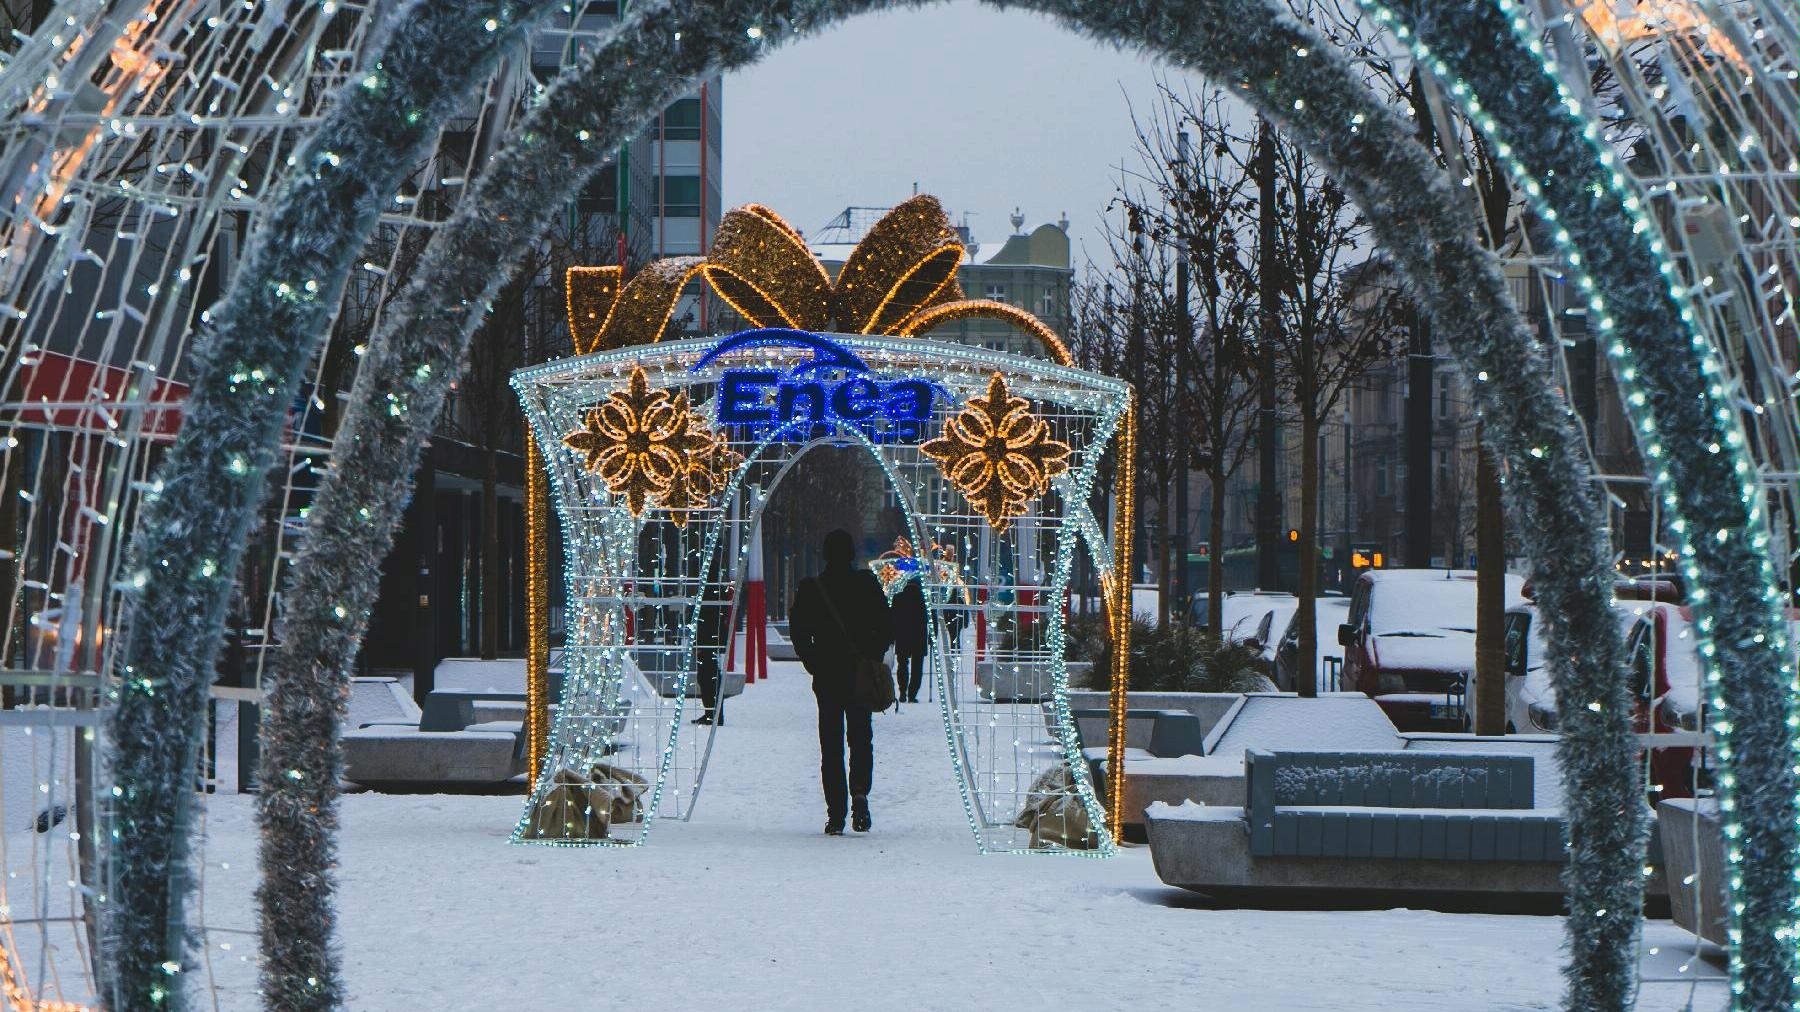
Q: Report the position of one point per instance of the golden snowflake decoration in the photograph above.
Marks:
(638, 441)
(998, 454)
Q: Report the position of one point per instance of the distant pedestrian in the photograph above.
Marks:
(839, 616)
(909, 639)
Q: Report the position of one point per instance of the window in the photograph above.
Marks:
(1443, 394)
(996, 293)
(601, 194)
(1382, 475)
(681, 196)
(681, 121)
(1049, 307)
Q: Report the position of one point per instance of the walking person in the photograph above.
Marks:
(839, 616)
(909, 639)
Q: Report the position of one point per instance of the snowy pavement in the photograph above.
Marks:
(748, 906)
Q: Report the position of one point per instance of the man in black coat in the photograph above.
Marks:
(909, 639)
(838, 616)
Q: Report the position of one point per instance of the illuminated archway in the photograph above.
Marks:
(1245, 42)
(646, 556)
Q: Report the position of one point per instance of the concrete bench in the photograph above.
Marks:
(407, 755)
(455, 709)
(1164, 733)
(379, 701)
(1210, 706)
(1693, 843)
(1404, 805)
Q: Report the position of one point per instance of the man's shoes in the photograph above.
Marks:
(705, 718)
(912, 699)
(859, 814)
(834, 827)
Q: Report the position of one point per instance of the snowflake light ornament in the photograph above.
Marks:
(636, 441)
(998, 454)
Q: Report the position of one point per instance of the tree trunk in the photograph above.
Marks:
(1165, 552)
(1269, 279)
(1306, 663)
(490, 553)
(1215, 557)
(1490, 596)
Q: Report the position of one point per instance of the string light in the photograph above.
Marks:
(998, 454)
(1562, 187)
(537, 610)
(603, 557)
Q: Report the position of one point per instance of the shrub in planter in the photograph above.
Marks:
(1179, 657)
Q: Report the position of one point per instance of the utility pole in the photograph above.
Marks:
(1183, 373)
(1490, 595)
(1420, 369)
(1268, 501)
(1134, 349)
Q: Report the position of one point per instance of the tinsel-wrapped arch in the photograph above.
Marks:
(1284, 69)
(660, 49)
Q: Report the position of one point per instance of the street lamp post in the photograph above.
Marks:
(1183, 372)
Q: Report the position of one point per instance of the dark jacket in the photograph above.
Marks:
(828, 653)
(909, 620)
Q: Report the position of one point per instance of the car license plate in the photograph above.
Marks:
(1446, 711)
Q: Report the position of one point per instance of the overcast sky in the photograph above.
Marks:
(986, 109)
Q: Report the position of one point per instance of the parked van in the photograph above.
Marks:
(1409, 643)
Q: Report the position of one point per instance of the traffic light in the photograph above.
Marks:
(1366, 557)
(1293, 534)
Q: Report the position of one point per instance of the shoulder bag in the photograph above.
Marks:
(870, 680)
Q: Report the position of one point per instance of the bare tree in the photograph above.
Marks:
(1196, 167)
(1337, 314)
(525, 322)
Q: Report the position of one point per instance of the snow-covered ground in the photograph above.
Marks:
(748, 906)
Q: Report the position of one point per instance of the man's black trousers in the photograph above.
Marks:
(839, 723)
(910, 674)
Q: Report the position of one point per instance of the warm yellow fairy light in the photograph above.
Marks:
(537, 610)
(589, 294)
(707, 463)
(900, 280)
(998, 454)
(949, 312)
(634, 440)
(1650, 19)
(17, 1000)
(1119, 615)
(906, 263)
(761, 267)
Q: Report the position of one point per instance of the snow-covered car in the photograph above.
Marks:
(1409, 643)
(1530, 690)
(1273, 626)
(1328, 614)
(1664, 661)
(1241, 613)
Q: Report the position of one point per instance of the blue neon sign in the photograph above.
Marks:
(761, 400)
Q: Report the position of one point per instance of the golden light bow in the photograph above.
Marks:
(899, 280)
